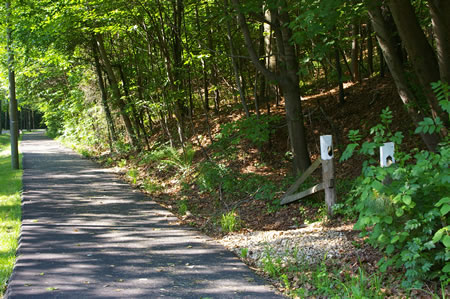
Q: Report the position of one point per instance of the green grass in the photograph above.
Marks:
(10, 212)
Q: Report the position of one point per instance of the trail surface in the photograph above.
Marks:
(86, 234)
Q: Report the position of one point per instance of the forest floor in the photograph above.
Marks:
(180, 192)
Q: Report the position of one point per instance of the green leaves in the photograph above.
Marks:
(442, 91)
(406, 218)
(348, 153)
(429, 126)
(444, 203)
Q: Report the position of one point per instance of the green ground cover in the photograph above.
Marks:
(10, 212)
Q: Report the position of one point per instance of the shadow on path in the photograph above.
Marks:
(85, 234)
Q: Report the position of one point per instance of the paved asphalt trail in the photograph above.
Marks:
(86, 234)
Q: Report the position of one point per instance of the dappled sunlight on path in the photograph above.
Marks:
(85, 234)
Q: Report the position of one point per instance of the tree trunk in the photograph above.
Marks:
(236, 69)
(288, 79)
(369, 49)
(420, 52)
(104, 101)
(29, 120)
(33, 119)
(440, 17)
(115, 88)
(382, 61)
(390, 54)
(138, 125)
(339, 74)
(355, 52)
(13, 115)
(178, 10)
(6, 120)
(1, 115)
(291, 89)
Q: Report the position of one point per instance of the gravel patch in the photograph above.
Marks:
(308, 245)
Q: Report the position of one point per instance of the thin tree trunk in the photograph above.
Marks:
(420, 52)
(115, 88)
(29, 120)
(382, 61)
(1, 124)
(236, 69)
(369, 49)
(6, 120)
(104, 101)
(14, 124)
(140, 93)
(339, 73)
(347, 65)
(139, 127)
(288, 80)
(355, 52)
(440, 17)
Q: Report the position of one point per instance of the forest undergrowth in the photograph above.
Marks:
(232, 173)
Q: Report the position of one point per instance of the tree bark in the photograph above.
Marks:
(115, 89)
(104, 101)
(369, 49)
(13, 115)
(440, 18)
(355, 52)
(420, 52)
(394, 63)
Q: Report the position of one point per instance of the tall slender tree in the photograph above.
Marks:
(13, 115)
(287, 77)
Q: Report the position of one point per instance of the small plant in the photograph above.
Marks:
(109, 161)
(133, 174)
(122, 163)
(182, 207)
(323, 279)
(271, 265)
(151, 186)
(244, 252)
(230, 222)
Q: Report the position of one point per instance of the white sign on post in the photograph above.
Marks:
(387, 154)
(326, 147)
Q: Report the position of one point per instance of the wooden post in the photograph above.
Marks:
(326, 151)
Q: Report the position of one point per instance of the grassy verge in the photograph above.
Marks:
(10, 212)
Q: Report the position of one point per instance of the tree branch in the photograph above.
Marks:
(249, 44)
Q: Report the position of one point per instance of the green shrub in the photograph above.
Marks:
(182, 207)
(230, 222)
(403, 208)
(244, 252)
(151, 186)
(167, 156)
(212, 175)
(133, 174)
(256, 130)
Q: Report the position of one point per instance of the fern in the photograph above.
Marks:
(442, 92)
